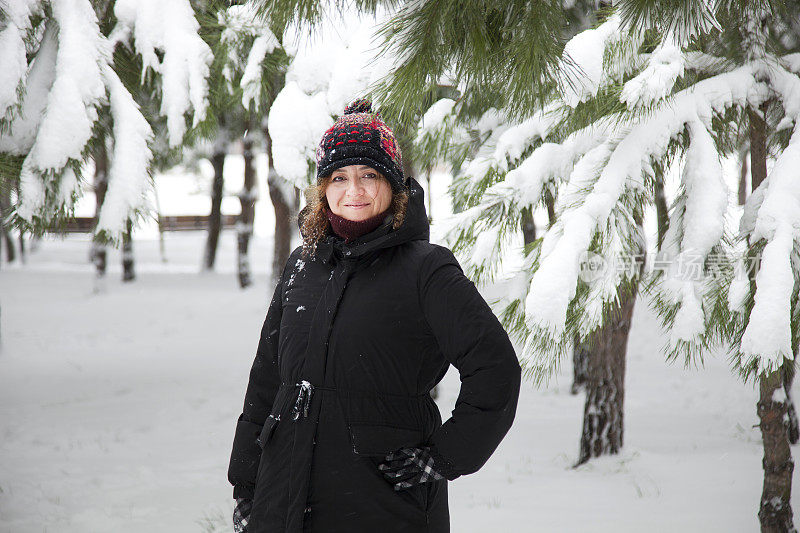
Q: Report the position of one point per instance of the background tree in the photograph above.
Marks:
(246, 74)
(61, 72)
(656, 87)
(146, 91)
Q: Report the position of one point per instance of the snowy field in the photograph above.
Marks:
(117, 411)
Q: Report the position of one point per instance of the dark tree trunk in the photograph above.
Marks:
(528, 227)
(791, 412)
(100, 156)
(161, 247)
(5, 235)
(22, 246)
(285, 211)
(743, 176)
(550, 202)
(430, 195)
(215, 216)
(405, 148)
(662, 211)
(127, 253)
(775, 512)
(580, 365)
(758, 146)
(605, 385)
(244, 227)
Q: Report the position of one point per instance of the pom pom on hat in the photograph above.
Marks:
(361, 105)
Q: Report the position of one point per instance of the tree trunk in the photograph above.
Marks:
(5, 235)
(430, 195)
(215, 217)
(550, 201)
(528, 227)
(100, 156)
(775, 513)
(605, 385)
(580, 365)
(161, 247)
(22, 257)
(406, 146)
(127, 253)
(244, 227)
(285, 211)
(662, 211)
(791, 412)
(743, 176)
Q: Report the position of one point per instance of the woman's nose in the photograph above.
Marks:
(354, 187)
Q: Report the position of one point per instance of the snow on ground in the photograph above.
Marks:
(117, 412)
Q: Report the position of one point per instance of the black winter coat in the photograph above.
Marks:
(370, 327)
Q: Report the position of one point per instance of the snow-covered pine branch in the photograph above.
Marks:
(169, 28)
(51, 106)
(522, 185)
(440, 136)
(766, 340)
(582, 61)
(326, 73)
(17, 20)
(599, 182)
(129, 177)
(696, 227)
(602, 173)
(664, 66)
(246, 33)
(64, 88)
(629, 159)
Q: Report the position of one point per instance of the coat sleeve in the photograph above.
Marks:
(471, 338)
(261, 390)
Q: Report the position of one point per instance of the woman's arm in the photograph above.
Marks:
(261, 391)
(473, 340)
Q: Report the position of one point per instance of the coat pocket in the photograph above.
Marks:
(266, 431)
(378, 440)
(375, 441)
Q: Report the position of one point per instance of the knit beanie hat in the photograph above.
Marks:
(360, 137)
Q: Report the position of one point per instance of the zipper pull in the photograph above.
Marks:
(303, 400)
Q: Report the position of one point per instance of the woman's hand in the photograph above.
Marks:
(241, 514)
(408, 467)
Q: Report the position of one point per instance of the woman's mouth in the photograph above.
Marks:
(355, 206)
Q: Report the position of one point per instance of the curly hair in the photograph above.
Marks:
(314, 225)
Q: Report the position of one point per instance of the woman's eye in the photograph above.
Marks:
(338, 178)
(370, 175)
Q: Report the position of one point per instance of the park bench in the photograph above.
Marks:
(168, 223)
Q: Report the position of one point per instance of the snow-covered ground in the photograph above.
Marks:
(117, 411)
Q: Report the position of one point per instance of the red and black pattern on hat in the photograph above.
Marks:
(360, 137)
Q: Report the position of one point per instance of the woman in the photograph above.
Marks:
(339, 432)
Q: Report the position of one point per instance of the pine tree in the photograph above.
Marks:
(62, 76)
(247, 72)
(656, 86)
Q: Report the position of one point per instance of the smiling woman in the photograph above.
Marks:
(351, 201)
(339, 433)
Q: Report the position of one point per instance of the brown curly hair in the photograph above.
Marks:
(315, 224)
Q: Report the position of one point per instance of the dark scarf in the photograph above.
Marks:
(352, 229)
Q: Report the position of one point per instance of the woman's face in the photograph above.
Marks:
(358, 192)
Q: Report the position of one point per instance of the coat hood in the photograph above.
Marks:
(414, 227)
